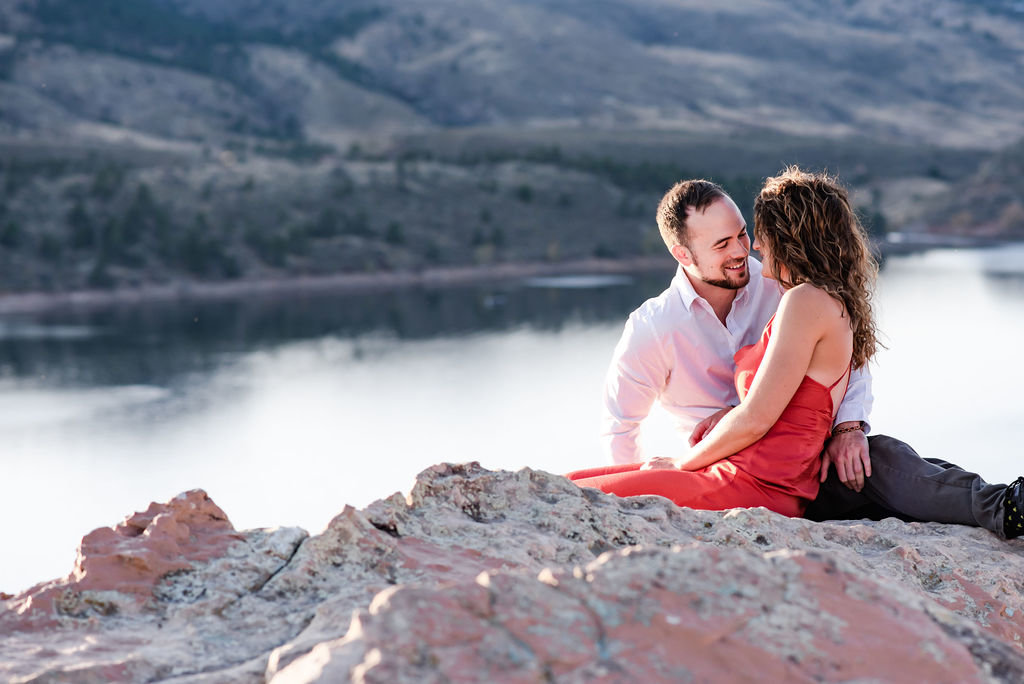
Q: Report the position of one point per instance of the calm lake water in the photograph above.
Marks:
(286, 410)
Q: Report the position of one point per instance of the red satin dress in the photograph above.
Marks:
(779, 471)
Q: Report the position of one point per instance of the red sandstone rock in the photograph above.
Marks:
(118, 567)
(654, 615)
(483, 576)
(147, 546)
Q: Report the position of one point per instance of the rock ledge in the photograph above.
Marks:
(507, 577)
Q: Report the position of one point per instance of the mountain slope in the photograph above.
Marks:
(944, 73)
(164, 140)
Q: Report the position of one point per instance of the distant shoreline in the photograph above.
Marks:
(433, 278)
(341, 283)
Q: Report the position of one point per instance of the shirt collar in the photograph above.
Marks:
(682, 285)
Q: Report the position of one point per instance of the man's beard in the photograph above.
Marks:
(722, 280)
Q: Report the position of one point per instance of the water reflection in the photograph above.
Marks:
(287, 409)
(947, 384)
(155, 344)
(24, 408)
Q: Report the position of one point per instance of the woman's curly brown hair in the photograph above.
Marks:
(813, 236)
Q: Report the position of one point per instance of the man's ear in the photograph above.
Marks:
(682, 255)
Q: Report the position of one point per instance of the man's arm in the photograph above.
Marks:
(636, 377)
(847, 449)
(857, 403)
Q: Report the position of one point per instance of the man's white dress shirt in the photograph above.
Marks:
(675, 350)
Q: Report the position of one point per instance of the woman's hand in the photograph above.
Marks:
(708, 424)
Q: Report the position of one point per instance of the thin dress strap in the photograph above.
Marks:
(848, 369)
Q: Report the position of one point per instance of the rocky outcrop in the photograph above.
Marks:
(126, 562)
(508, 577)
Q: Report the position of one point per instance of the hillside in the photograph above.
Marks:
(271, 67)
(157, 140)
(989, 203)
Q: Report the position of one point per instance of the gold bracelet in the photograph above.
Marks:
(852, 428)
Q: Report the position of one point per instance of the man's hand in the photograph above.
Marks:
(707, 425)
(659, 463)
(848, 452)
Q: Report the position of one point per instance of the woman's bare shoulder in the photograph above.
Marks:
(810, 301)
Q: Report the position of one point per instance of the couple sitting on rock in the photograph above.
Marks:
(766, 365)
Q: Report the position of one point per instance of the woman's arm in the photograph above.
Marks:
(803, 319)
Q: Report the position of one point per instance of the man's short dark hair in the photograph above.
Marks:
(675, 205)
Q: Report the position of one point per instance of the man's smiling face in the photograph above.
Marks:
(718, 245)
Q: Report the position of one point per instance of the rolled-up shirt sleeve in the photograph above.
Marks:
(636, 377)
(858, 400)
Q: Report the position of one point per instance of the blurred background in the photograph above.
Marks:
(293, 252)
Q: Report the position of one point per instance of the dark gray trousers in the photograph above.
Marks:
(904, 485)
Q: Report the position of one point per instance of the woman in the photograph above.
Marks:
(766, 451)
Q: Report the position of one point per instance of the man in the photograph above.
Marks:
(678, 349)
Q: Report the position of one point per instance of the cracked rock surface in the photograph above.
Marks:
(522, 577)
